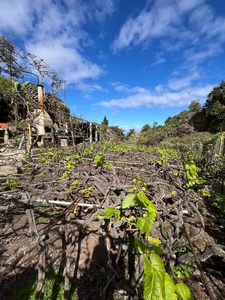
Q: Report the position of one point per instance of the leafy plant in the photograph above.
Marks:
(192, 174)
(87, 192)
(157, 283)
(181, 271)
(10, 184)
(101, 161)
(66, 174)
(70, 165)
(74, 184)
(54, 288)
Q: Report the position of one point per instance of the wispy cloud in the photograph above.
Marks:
(161, 97)
(164, 18)
(127, 128)
(190, 27)
(159, 59)
(55, 32)
(178, 83)
(85, 87)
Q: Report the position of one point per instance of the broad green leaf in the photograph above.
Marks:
(154, 281)
(145, 248)
(153, 240)
(142, 248)
(101, 215)
(66, 174)
(128, 201)
(145, 225)
(112, 212)
(169, 288)
(131, 220)
(199, 181)
(148, 204)
(183, 292)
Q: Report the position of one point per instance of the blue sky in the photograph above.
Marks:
(135, 62)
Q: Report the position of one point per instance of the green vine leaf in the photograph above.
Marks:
(109, 213)
(148, 204)
(169, 288)
(141, 247)
(66, 174)
(145, 225)
(128, 201)
(183, 292)
(154, 282)
(101, 215)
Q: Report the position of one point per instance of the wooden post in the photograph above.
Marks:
(73, 141)
(90, 132)
(96, 133)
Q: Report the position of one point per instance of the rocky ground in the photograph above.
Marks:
(75, 241)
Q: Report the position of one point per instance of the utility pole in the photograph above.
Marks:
(43, 78)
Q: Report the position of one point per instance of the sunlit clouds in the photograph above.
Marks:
(118, 58)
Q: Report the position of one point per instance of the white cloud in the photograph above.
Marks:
(54, 32)
(160, 61)
(104, 8)
(185, 6)
(196, 57)
(160, 97)
(85, 87)
(66, 60)
(184, 82)
(127, 128)
(162, 20)
(178, 24)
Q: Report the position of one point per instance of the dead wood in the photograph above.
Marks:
(175, 204)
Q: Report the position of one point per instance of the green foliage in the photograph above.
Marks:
(66, 174)
(104, 125)
(145, 128)
(217, 94)
(193, 178)
(157, 283)
(74, 184)
(51, 156)
(163, 160)
(155, 124)
(194, 106)
(182, 272)
(154, 283)
(219, 204)
(167, 121)
(183, 292)
(119, 132)
(5, 85)
(101, 161)
(109, 213)
(70, 165)
(214, 107)
(192, 174)
(10, 184)
(19, 87)
(87, 192)
(165, 154)
(26, 168)
(130, 133)
(105, 122)
(88, 152)
(204, 192)
(54, 288)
